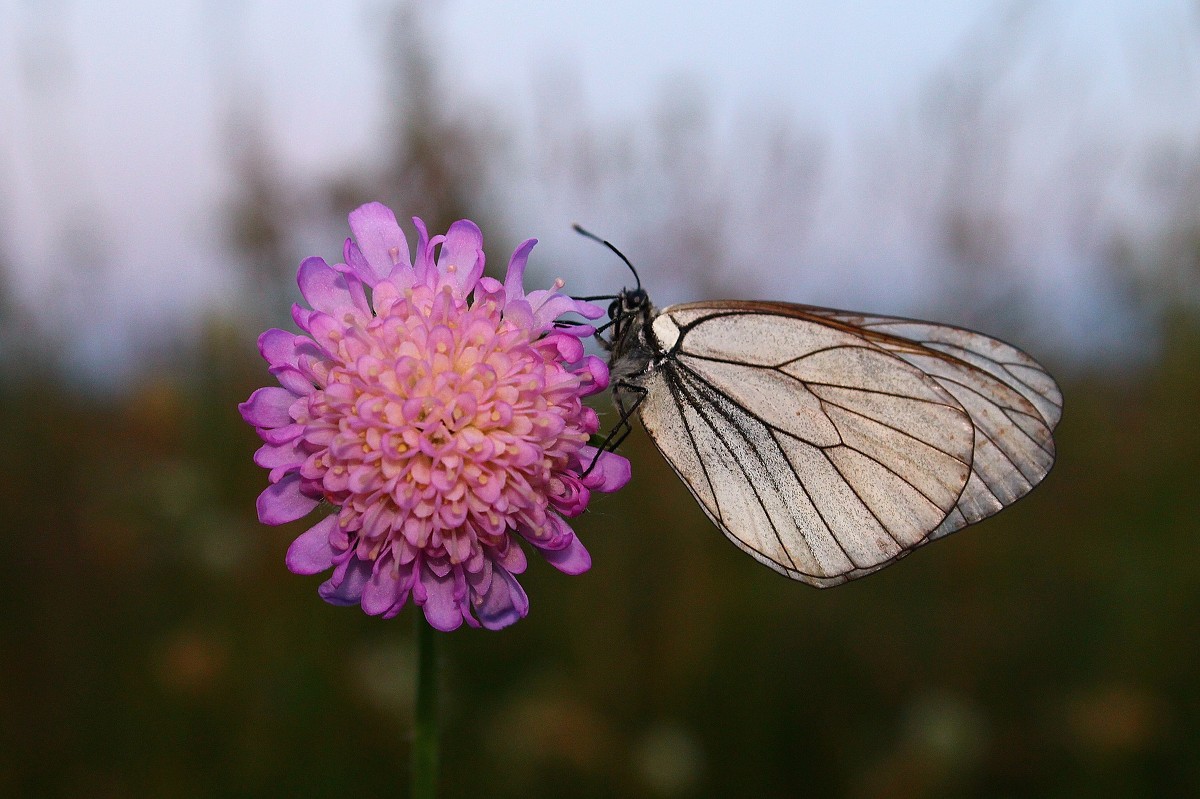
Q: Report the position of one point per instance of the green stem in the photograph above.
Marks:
(425, 728)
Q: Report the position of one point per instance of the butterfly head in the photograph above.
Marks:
(629, 316)
(630, 303)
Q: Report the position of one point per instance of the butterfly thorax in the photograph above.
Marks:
(631, 343)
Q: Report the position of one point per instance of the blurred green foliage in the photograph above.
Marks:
(154, 645)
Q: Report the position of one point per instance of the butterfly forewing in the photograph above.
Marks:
(827, 444)
(741, 483)
(1003, 361)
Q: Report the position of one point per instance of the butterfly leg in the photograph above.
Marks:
(606, 343)
(623, 427)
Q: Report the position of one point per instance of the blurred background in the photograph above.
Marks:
(1031, 169)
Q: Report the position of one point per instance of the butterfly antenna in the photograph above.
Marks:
(609, 245)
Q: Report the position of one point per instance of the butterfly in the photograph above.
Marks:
(828, 444)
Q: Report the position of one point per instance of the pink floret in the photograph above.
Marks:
(443, 420)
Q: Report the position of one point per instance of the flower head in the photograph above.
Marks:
(439, 411)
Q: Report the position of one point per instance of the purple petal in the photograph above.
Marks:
(573, 499)
(354, 283)
(324, 287)
(301, 315)
(326, 332)
(554, 533)
(570, 350)
(346, 585)
(380, 593)
(389, 292)
(562, 304)
(599, 373)
(519, 313)
(514, 281)
(548, 307)
(610, 473)
(579, 331)
(571, 559)
(293, 380)
(273, 456)
(282, 435)
(504, 603)
(278, 347)
(462, 250)
(380, 239)
(282, 502)
(442, 608)
(311, 552)
(511, 557)
(423, 262)
(356, 262)
(268, 407)
(587, 310)
(488, 289)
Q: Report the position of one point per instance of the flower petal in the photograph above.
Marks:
(423, 266)
(346, 586)
(571, 559)
(293, 380)
(489, 289)
(357, 263)
(311, 553)
(380, 593)
(323, 287)
(570, 349)
(380, 239)
(504, 603)
(354, 283)
(461, 257)
(282, 435)
(300, 315)
(587, 310)
(598, 372)
(278, 347)
(273, 456)
(514, 280)
(326, 332)
(610, 473)
(268, 407)
(549, 306)
(511, 557)
(442, 608)
(282, 502)
(519, 312)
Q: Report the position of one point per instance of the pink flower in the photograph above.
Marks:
(439, 411)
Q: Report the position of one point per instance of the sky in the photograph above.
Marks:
(114, 155)
(834, 62)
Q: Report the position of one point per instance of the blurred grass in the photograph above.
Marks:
(154, 644)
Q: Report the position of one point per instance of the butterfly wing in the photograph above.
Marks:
(1013, 401)
(827, 450)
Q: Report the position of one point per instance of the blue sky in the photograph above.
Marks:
(113, 158)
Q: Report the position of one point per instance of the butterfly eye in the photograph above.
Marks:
(614, 309)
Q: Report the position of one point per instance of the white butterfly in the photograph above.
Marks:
(828, 444)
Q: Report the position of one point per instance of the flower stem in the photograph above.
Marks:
(425, 728)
